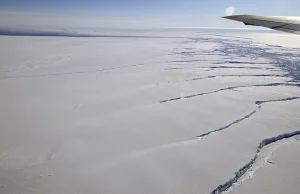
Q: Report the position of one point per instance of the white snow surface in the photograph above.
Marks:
(130, 115)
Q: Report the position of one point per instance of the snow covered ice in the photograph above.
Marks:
(170, 111)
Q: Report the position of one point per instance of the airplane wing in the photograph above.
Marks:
(285, 24)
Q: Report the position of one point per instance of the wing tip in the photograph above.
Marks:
(236, 16)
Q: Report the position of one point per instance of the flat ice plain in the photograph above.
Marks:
(171, 111)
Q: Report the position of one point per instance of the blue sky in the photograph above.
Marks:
(168, 13)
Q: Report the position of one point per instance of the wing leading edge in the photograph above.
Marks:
(286, 24)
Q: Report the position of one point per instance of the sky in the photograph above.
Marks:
(137, 13)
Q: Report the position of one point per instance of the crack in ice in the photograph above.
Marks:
(230, 124)
(220, 67)
(259, 106)
(239, 174)
(227, 88)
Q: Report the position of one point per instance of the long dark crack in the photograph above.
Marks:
(227, 88)
(258, 104)
(222, 67)
(243, 67)
(229, 125)
(240, 62)
(224, 187)
(215, 76)
(222, 76)
(278, 100)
